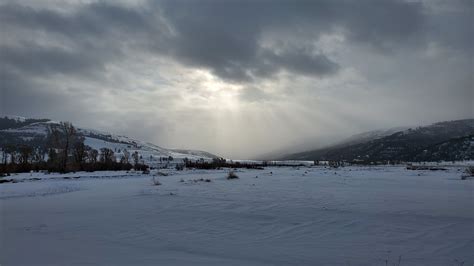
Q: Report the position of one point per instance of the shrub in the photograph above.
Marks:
(140, 167)
(156, 182)
(232, 175)
(470, 170)
(468, 173)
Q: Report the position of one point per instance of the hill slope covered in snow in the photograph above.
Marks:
(34, 132)
(443, 141)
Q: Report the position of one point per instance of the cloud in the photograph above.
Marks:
(224, 37)
(252, 94)
(33, 60)
(198, 73)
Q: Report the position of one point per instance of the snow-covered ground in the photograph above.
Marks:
(286, 216)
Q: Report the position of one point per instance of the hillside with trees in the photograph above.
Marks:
(42, 144)
(443, 141)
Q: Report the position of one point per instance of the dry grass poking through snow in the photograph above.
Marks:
(468, 173)
(156, 182)
(232, 175)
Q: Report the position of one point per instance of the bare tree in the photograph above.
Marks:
(62, 138)
(25, 154)
(125, 157)
(92, 155)
(13, 156)
(106, 156)
(136, 158)
(4, 156)
(39, 155)
(79, 152)
(69, 132)
(9, 151)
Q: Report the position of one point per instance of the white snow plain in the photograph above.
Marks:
(286, 216)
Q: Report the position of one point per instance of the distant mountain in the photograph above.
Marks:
(450, 140)
(455, 149)
(33, 132)
(370, 135)
(287, 152)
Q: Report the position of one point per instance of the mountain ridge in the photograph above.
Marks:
(424, 143)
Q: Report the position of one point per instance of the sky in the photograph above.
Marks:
(237, 78)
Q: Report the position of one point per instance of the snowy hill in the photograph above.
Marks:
(33, 132)
(450, 140)
(371, 135)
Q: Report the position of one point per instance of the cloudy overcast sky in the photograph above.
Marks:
(237, 78)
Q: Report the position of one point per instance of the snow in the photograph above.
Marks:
(98, 174)
(150, 153)
(280, 162)
(286, 216)
(98, 144)
(16, 117)
(35, 129)
(372, 135)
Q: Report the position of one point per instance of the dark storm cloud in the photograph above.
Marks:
(33, 60)
(303, 62)
(32, 99)
(81, 42)
(222, 36)
(454, 28)
(92, 20)
(383, 24)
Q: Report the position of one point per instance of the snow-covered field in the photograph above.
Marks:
(286, 216)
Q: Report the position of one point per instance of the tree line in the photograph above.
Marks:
(64, 151)
(219, 163)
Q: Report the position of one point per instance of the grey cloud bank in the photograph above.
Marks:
(237, 78)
